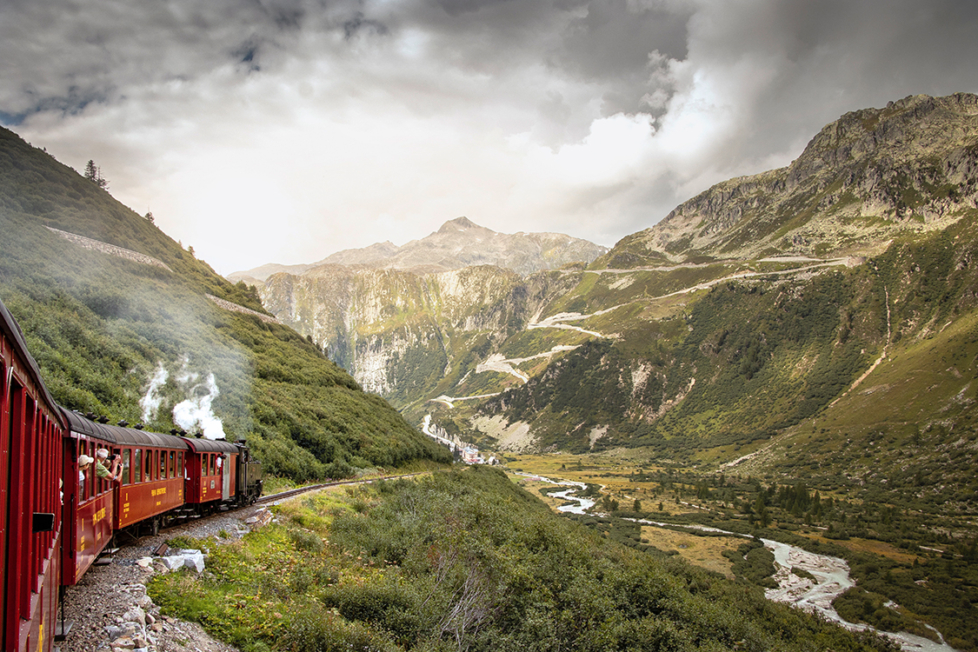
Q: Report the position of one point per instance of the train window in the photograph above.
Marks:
(137, 466)
(81, 474)
(125, 466)
(90, 476)
(163, 475)
(149, 466)
(180, 465)
(213, 464)
(172, 469)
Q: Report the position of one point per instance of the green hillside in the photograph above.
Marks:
(468, 561)
(100, 325)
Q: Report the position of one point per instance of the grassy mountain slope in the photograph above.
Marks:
(101, 325)
(908, 429)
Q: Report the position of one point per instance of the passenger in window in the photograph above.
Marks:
(100, 456)
(115, 468)
(104, 458)
(84, 462)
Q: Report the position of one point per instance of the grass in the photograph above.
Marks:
(705, 552)
(870, 546)
(465, 560)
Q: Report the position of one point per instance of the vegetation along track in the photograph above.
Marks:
(266, 500)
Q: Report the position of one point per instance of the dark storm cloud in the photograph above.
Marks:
(612, 43)
(457, 7)
(821, 59)
(55, 51)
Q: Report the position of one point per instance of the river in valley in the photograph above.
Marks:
(831, 573)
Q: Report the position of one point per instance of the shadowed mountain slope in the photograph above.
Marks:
(103, 323)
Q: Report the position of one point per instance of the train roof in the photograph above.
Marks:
(11, 329)
(121, 436)
(201, 445)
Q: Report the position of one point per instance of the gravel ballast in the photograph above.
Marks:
(111, 612)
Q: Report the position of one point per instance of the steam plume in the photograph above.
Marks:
(196, 412)
(151, 401)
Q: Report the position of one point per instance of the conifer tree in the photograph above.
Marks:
(94, 174)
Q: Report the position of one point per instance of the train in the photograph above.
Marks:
(57, 516)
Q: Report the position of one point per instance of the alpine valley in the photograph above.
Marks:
(789, 358)
(814, 326)
(820, 293)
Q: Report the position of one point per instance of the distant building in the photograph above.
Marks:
(470, 455)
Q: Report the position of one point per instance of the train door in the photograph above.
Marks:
(224, 461)
(19, 432)
(6, 434)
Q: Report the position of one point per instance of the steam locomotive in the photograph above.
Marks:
(57, 516)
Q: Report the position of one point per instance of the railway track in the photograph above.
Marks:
(190, 520)
(267, 500)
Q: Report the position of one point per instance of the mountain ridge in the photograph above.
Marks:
(655, 328)
(456, 244)
(869, 175)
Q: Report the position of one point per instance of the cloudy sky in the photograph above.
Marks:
(284, 130)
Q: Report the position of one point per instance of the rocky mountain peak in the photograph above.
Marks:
(459, 224)
(457, 244)
(862, 180)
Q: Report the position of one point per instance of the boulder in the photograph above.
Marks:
(176, 559)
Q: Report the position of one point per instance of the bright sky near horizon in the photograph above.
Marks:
(282, 131)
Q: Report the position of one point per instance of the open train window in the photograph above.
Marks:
(103, 483)
(163, 475)
(149, 465)
(180, 465)
(137, 466)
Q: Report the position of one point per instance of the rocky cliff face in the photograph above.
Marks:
(397, 330)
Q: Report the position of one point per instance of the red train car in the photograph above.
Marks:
(31, 429)
(151, 484)
(211, 473)
(56, 518)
